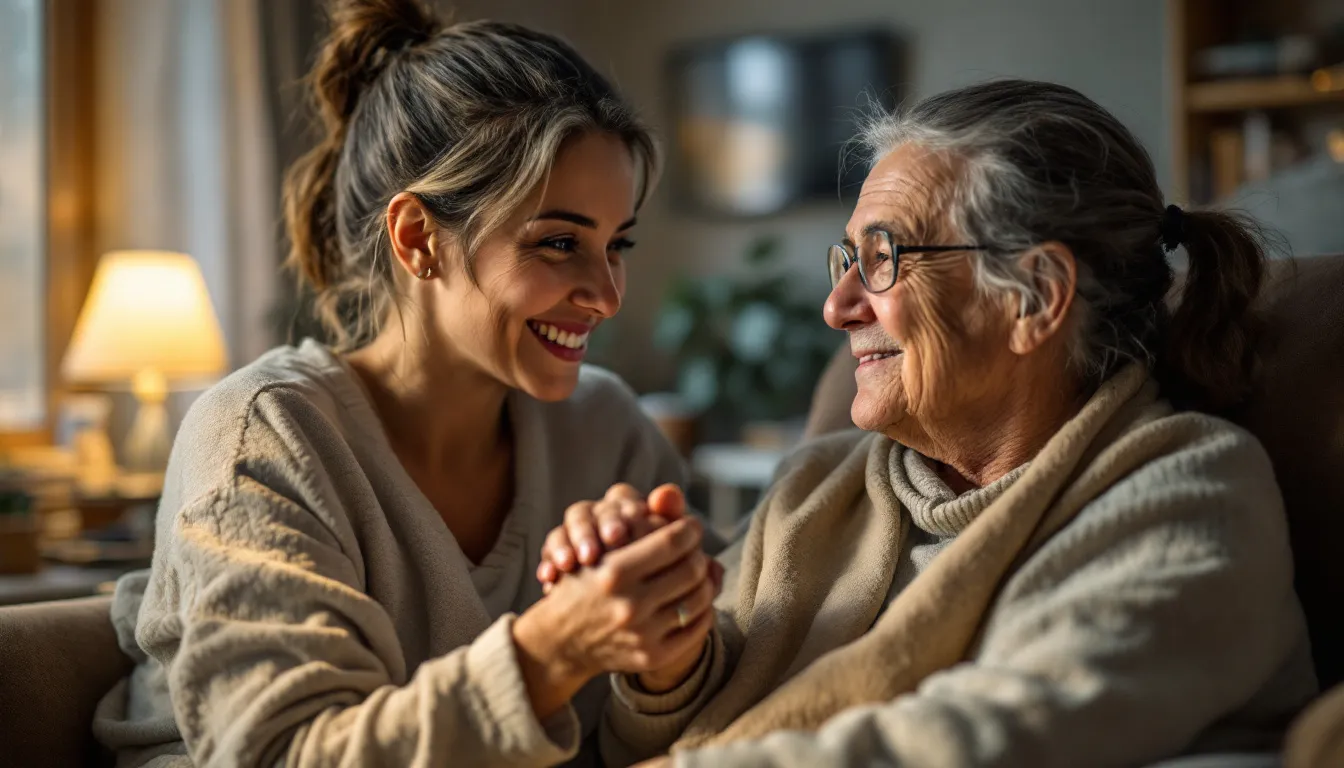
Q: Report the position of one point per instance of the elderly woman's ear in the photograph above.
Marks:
(1038, 317)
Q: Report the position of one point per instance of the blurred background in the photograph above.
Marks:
(129, 128)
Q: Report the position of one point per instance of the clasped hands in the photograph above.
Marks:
(643, 557)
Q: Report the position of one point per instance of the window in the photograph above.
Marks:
(22, 218)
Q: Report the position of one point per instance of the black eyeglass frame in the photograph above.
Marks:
(850, 258)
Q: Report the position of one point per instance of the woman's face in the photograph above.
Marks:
(932, 348)
(549, 275)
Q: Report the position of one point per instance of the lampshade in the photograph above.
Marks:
(148, 311)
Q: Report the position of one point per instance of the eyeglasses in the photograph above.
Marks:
(879, 259)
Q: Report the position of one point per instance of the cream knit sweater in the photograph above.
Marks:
(1146, 608)
(308, 606)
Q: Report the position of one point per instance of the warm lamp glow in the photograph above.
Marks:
(1334, 143)
(148, 311)
(1328, 79)
(147, 322)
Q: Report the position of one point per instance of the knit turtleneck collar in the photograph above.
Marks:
(933, 507)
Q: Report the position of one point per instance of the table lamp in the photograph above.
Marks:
(147, 322)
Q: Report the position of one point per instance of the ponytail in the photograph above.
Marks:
(1210, 357)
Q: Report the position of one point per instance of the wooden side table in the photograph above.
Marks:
(19, 544)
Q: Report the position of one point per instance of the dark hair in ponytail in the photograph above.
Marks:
(1043, 162)
(467, 117)
(1210, 358)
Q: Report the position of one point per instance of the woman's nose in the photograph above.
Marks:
(600, 291)
(848, 303)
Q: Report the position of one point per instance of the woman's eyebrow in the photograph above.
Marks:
(876, 226)
(896, 231)
(569, 216)
(576, 218)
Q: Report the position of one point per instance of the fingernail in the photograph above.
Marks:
(586, 552)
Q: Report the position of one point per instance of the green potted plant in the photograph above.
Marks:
(748, 349)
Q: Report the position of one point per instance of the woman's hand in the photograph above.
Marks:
(592, 528)
(647, 606)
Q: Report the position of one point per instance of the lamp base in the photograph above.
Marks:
(148, 443)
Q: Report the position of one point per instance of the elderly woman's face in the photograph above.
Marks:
(931, 346)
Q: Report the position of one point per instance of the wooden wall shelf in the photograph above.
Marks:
(1257, 93)
(1209, 117)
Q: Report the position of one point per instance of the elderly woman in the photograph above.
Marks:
(1031, 556)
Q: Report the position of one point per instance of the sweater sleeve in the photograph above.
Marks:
(639, 725)
(281, 655)
(1163, 608)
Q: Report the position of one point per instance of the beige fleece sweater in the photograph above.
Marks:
(307, 605)
(1160, 619)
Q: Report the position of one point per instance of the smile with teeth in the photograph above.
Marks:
(878, 356)
(567, 339)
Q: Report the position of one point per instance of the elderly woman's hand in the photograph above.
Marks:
(594, 527)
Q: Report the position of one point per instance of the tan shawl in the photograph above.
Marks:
(804, 623)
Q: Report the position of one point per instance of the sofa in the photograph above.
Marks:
(57, 659)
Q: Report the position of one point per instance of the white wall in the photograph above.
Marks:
(1112, 50)
(568, 18)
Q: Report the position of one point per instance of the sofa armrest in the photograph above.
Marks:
(58, 660)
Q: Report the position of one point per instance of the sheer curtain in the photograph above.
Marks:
(186, 150)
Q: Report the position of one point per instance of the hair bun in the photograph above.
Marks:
(365, 35)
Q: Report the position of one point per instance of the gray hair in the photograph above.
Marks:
(468, 118)
(1040, 162)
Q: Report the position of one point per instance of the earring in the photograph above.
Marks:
(426, 273)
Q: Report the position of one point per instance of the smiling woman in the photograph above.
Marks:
(345, 551)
